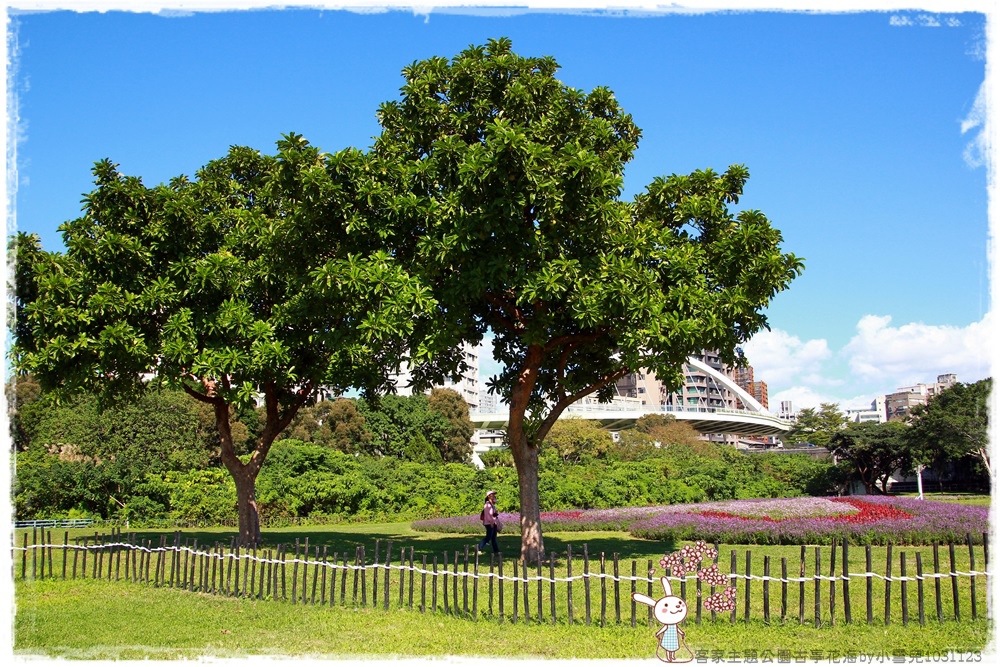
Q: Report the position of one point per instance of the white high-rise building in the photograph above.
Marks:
(876, 413)
(467, 385)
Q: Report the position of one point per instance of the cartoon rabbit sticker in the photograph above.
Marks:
(669, 610)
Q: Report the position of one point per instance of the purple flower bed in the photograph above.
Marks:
(764, 521)
(928, 521)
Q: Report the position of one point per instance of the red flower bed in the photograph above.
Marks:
(867, 513)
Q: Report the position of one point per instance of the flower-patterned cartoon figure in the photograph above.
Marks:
(670, 610)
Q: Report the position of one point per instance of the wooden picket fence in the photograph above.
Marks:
(516, 591)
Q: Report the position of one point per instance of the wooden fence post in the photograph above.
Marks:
(475, 587)
(492, 581)
(500, 584)
(698, 597)
(514, 613)
(816, 589)
(48, 542)
(937, 582)
(604, 592)
(323, 567)
(746, 593)
(423, 583)
(833, 583)
(732, 582)
(444, 580)
(34, 552)
(454, 586)
(552, 583)
(954, 581)
(847, 584)
(784, 587)
(388, 565)
(374, 578)
(586, 584)
(411, 580)
(902, 586)
(569, 584)
(527, 605)
(317, 568)
(434, 586)
(767, 589)
(618, 600)
(920, 589)
(888, 579)
(632, 596)
(802, 584)
(465, 581)
(972, 577)
(364, 575)
(868, 581)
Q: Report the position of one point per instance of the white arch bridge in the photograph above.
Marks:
(615, 417)
(752, 420)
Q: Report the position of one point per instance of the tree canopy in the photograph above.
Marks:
(508, 201)
(263, 278)
(954, 423)
(874, 450)
(816, 427)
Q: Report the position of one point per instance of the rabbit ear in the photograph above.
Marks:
(645, 599)
(666, 586)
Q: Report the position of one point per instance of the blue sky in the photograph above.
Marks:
(862, 132)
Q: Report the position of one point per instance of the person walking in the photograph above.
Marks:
(491, 520)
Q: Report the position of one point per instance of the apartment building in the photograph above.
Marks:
(876, 413)
(467, 385)
(899, 404)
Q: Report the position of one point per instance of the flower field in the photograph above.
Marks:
(858, 519)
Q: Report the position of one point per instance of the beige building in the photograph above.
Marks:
(899, 404)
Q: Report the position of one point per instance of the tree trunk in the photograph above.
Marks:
(526, 463)
(244, 475)
(525, 451)
(249, 518)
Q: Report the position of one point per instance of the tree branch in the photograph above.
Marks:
(566, 401)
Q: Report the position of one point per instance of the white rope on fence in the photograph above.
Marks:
(492, 575)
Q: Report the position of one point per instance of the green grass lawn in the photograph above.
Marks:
(84, 618)
(122, 621)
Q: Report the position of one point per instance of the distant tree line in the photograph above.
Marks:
(404, 457)
(949, 436)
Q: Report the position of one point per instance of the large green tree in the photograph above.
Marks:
(109, 451)
(263, 278)
(456, 447)
(816, 426)
(576, 440)
(874, 451)
(954, 424)
(337, 423)
(395, 422)
(509, 204)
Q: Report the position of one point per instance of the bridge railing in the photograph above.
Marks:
(589, 408)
